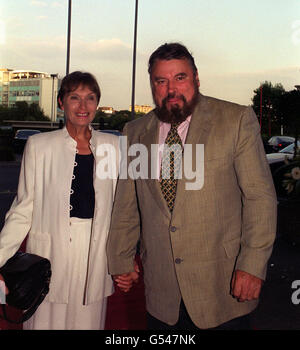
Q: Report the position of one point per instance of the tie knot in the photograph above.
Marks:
(174, 126)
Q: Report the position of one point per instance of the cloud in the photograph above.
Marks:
(39, 54)
(2, 33)
(47, 51)
(284, 75)
(14, 22)
(57, 4)
(239, 86)
(38, 3)
(53, 4)
(111, 62)
(109, 49)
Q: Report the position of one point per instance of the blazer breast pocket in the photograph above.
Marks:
(211, 163)
(218, 172)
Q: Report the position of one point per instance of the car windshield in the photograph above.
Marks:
(289, 148)
(115, 132)
(26, 133)
(286, 139)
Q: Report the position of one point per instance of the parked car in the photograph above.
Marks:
(115, 132)
(280, 142)
(276, 160)
(21, 137)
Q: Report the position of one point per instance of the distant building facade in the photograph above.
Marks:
(106, 110)
(30, 86)
(4, 86)
(141, 108)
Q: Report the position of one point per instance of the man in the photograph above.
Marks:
(205, 251)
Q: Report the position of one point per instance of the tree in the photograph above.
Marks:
(35, 113)
(266, 101)
(101, 119)
(119, 119)
(289, 110)
(115, 121)
(22, 111)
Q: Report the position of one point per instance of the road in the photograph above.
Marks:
(276, 310)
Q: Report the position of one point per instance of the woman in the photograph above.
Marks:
(64, 204)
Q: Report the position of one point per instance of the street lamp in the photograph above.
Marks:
(53, 76)
(68, 42)
(134, 59)
(69, 37)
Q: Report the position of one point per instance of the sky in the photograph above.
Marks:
(237, 45)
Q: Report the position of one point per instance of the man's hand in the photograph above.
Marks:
(245, 286)
(126, 280)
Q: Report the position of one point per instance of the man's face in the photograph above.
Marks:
(174, 89)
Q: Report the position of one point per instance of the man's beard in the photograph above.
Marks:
(176, 114)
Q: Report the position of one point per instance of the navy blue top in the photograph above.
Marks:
(82, 198)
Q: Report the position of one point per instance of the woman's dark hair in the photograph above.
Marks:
(171, 51)
(71, 82)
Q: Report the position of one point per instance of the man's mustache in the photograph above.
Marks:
(171, 96)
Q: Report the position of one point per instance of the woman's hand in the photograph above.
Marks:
(125, 281)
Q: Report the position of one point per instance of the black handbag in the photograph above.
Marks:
(27, 277)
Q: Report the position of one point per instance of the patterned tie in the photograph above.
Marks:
(170, 165)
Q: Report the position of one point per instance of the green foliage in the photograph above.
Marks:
(289, 109)
(119, 119)
(115, 121)
(22, 111)
(271, 119)
(287, 180)
(279, 108)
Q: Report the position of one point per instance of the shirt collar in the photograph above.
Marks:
(187, 121)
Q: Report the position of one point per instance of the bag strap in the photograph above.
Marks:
(27, 314)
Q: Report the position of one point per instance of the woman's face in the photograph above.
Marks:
(79, 106)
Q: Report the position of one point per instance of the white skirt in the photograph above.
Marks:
(74, 315)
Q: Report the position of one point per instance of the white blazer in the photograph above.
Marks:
(41, 209)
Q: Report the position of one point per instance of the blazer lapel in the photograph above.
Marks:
(148, 138)
(199, 129)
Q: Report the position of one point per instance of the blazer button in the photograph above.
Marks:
(178, 261)
(173, 228)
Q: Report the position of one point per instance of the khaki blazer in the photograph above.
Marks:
(228, 224)
(41, 210)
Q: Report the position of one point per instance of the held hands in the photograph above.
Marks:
(126, 280)
(245, 286)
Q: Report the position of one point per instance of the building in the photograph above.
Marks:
(30, 86)
(142, 108)
(106, 110)
(4, 86)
